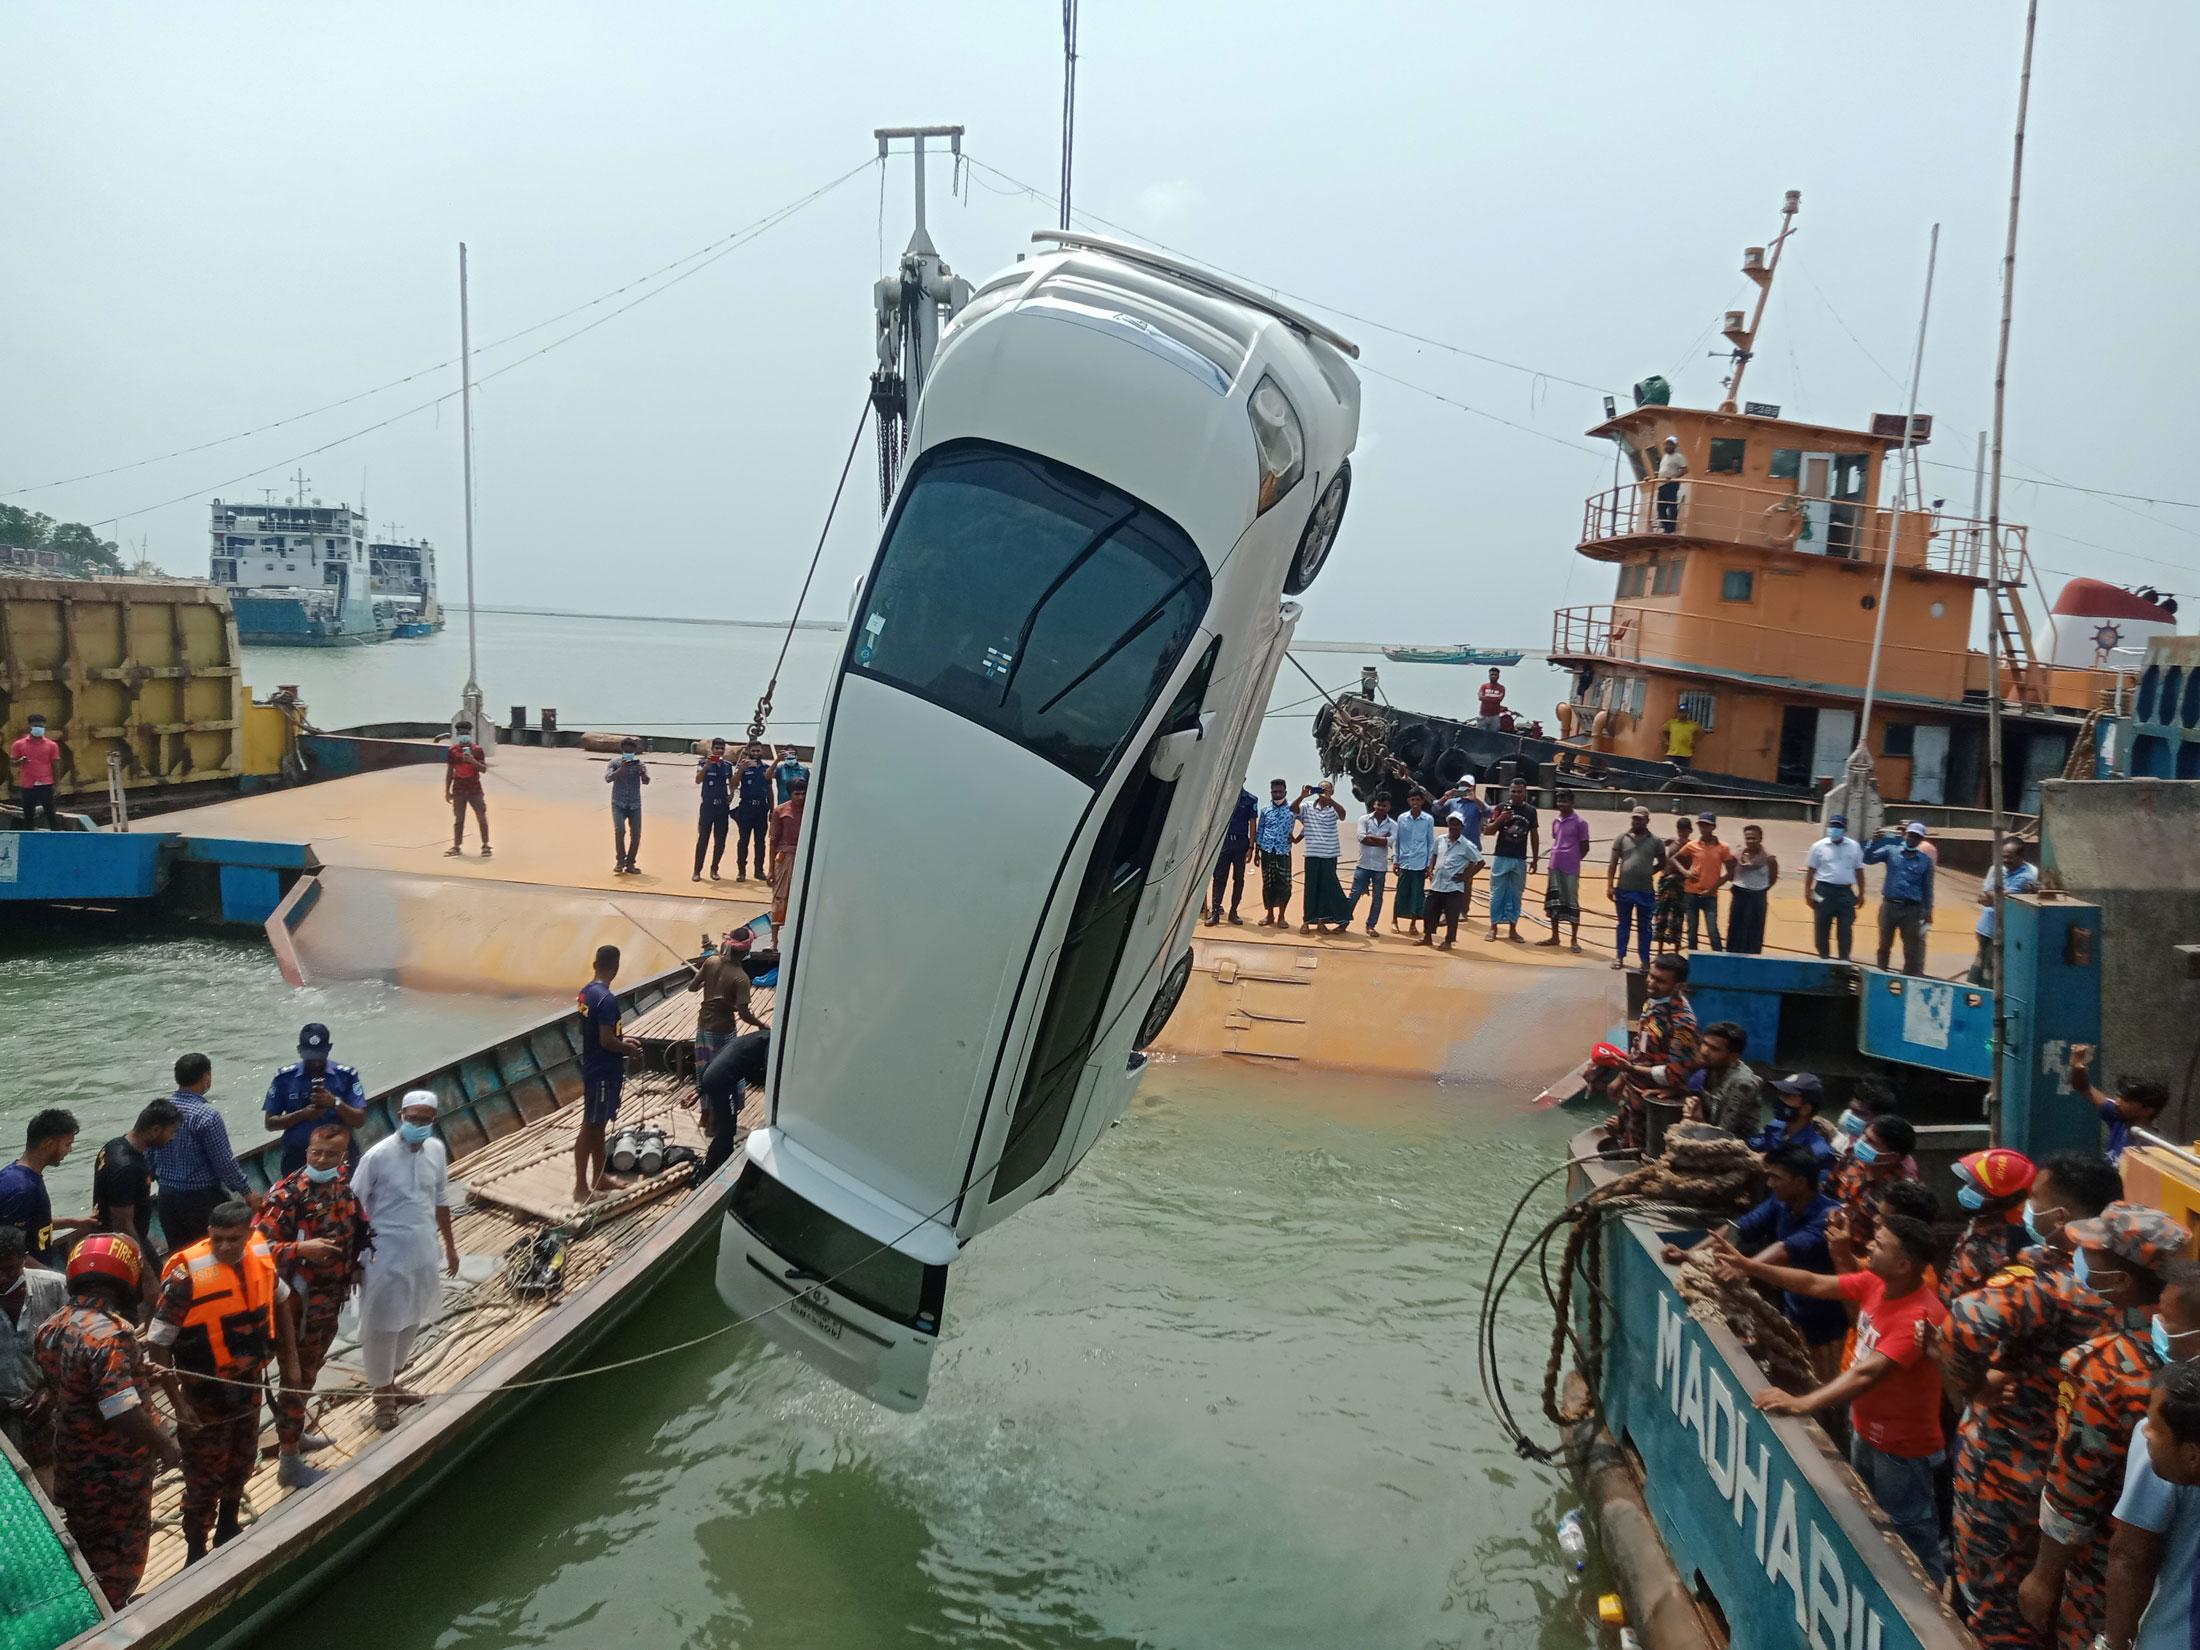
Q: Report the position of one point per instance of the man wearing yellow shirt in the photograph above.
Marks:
(1680, 738)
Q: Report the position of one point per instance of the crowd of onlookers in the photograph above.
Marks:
(1685, 887)
(2024, 1405)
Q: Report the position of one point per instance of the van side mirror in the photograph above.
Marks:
(1173, 750)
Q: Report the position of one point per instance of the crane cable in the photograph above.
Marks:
(762, 718)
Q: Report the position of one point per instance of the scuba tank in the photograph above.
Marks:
(649, 1154)
(625, 1151)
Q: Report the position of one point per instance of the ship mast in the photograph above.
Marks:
(1760, 269)
(470, 699)
(1993, 571)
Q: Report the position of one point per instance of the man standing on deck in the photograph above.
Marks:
(714, 778)
(2018, 878)
(464, 762)
(1451, 880)
(1710, 862)
(1660, 1055)
(122, 1180)
(313, 1206)
(224, 1315)
(312, 1091)
(1755, 872)
(107, 1445)
(1237, 848)
(1727, 1093)
(24, 1202)
(1906, 902)
(1998, 1367)
(736, 1068)
(785, 772)
(1789, 1229)
(29, 1295)
(752, 812)
(34, 756)
(1631, 882)
(1892, 1390)
(1377, 831)
(724, 983)
(1411, 850)
(2130, 1256)
(1562, 882)
(1833, 886)
(196, 1169)
(2135, 1105)
(604, 1052)
(786, 837)
(1320, 829)
(1276, 831)
(1671, 468)
(1490, 702)
(1516, 845)
(626, 774)
(1681, 733)
(403, 1185)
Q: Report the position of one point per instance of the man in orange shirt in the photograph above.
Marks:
(1710, 866)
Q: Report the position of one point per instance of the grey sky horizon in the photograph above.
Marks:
(225, 215)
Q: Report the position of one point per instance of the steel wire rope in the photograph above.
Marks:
(394, 383)
(772, 221)
(762, 717)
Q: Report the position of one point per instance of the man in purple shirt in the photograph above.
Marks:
(1562, 880)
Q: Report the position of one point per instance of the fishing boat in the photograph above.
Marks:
(1459, 654)
(507, 1118)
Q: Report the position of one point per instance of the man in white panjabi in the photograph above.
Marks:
(403, 1184)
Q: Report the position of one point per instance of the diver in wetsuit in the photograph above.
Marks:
(725, 1082)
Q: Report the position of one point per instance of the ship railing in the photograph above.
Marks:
(1773, 654)
(1776, 518)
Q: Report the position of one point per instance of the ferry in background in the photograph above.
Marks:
(1461, 654)
(304, 574)
(1745, 596)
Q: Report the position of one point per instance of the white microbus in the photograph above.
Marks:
(1054, 672)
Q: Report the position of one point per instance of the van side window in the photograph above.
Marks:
(1033, 599)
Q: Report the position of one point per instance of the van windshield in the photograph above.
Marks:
(1032, 599)
(823, 1249)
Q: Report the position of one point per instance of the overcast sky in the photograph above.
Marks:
(221, 216)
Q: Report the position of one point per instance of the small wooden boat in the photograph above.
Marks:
(1460, 654)
(507, 1118)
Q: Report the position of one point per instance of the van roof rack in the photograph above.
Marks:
(1132, 252)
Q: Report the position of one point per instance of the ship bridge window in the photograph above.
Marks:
(1899, 739)
(1726, 456)
(1668, 579)
(1849, 471)
(1737, 584)
(1032, 599)
(1634, 578)
(1787, 463)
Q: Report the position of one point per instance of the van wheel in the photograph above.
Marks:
(1164, 1001)
(1320, 535)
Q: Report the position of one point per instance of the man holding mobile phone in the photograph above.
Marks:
(313, 1091)
(626, 776)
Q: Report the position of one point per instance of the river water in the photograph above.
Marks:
(1220, 1391)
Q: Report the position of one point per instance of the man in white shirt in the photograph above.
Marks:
(1833, 885)
(1377, 830)
(403, 1185)
(1671, 467)
(2019, 878)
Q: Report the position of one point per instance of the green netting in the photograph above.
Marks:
(43, 1601)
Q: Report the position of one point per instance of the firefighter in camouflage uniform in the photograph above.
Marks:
(1992, 1185)
(108, 1447)
(2003, 1342)
(2129, 1255)
(312, 1205)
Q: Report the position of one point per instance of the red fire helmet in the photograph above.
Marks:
(1997, 1172)
(107, 1255)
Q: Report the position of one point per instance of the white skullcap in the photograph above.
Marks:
(420, 1097)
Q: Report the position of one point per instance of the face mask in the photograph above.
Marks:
(414, 1133)
(2079, 1270)
(1852, 1125)
(321, 1177)
(2031, 1226)
(38, 730)
(1970, 1197)
(1866, 1152)
(1834, 833)
(2162, 1338)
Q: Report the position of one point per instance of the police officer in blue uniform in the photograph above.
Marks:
(311, 1092)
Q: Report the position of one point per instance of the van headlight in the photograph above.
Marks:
(1278, 440)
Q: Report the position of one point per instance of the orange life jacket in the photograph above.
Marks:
(230, 1327)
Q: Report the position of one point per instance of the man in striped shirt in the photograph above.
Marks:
(196, 1169)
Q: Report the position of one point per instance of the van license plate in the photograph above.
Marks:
(823, 1322)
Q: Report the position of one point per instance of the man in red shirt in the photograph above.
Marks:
(463, 765)
(34, 756)
(1491, 698)
(1893, 1388)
